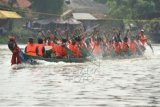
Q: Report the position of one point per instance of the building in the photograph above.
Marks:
(23, 4)
(6, 18)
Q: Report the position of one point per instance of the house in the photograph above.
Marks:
(87, 19)
(23, 4)
(6, 19)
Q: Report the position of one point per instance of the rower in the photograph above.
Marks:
(97, 46)
(144, 40)
(124, 44)
(132, 46)
(60, 50)
(40, 49)
(142, 37)
(74, 48)
(31, 47)
(116, 47)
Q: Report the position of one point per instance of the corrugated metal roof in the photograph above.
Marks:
(83, 16)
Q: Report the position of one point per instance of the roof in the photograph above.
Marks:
(43, 21)
(72, 21)
(19, 3)
(57, 21)
(4, 2)
(83, 16)
(23, 3)
(9, 14)
(100, 16)
(68, 12)
(2, 16)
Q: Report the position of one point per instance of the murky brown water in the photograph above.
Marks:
(115, 83)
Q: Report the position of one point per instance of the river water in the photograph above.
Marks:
(108, 83)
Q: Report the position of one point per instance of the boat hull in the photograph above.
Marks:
(70, 60)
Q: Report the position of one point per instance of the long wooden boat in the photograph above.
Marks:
(70, 60)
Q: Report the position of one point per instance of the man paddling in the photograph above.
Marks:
(31, 47)
(144, 40)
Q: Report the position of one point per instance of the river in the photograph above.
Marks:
(104, 83)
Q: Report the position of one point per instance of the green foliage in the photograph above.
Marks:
(22, 34)
(101, 1)
(3, 39)
(48, 6)
(132, 9)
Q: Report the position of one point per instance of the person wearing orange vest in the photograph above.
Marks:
(124, 45)
(40, 49)
(142, 37)
(31, 48)
(60, 50)
(144, 40)
(132, 46)
(97, 47)
(74, 48)
(116, 47)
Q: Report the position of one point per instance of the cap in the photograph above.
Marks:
(142, 30)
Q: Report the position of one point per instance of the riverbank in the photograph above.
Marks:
(20, 33)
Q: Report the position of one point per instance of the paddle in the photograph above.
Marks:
(85, 53)
(70, 53)
(113, 53)
(140, 52)
(150, 45)
(128, 51)
(121, 52)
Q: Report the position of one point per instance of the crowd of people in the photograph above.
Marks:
(81, 44)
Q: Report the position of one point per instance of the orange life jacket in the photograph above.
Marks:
(82, 45)
(76, 52)
(132, 47)
(40, 49)
(60, 51)
(116, 48)
(124, 47)
(143, 39)
(31, 49)
(50, 43)
(96, 48)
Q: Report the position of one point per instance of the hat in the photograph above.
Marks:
(142, 30)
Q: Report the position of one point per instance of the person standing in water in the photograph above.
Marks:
(12, 45)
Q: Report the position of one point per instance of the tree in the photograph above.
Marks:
(101, 1)
(132, 9)
(48, 6)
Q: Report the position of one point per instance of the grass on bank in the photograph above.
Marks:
(20, 33)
